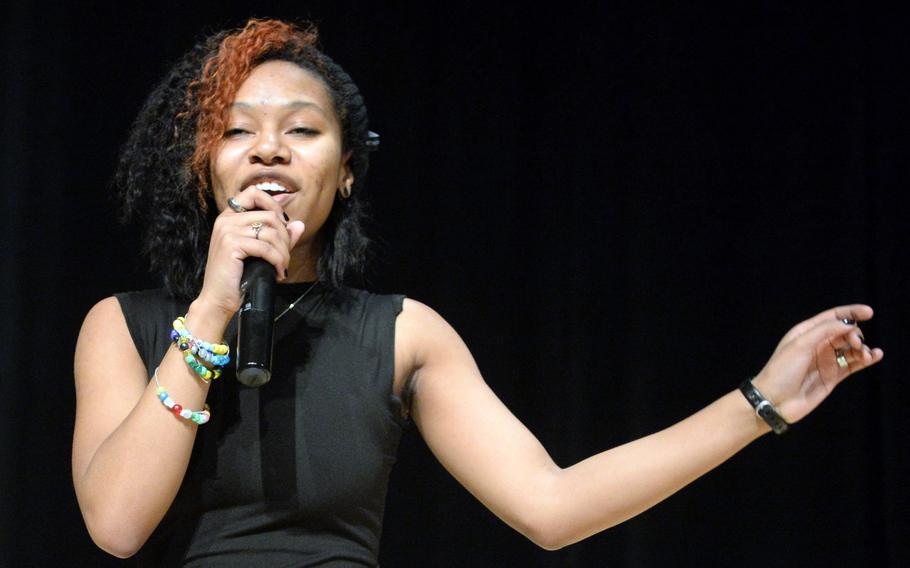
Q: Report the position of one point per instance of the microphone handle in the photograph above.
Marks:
(255, 323)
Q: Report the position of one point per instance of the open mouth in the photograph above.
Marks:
(272, 188)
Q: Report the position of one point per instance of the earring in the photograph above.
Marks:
(345, 191)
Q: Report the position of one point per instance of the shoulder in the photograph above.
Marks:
(417, 317)
(424, 336)
(104, 312)
(114, 312)
(141, 317)
(104, 328)
(420, 336)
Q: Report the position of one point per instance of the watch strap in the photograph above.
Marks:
(763, 407)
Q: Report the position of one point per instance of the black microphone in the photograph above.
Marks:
(256, 321)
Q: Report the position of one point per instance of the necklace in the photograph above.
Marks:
(295, 302)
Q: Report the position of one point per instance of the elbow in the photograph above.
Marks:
(547, 535)
(115, 549)
(555, 519)
(561, 528)
(113, 525)
(547, 541)
(116, 541)
(116, 524)
(114, 535)
(543, 522)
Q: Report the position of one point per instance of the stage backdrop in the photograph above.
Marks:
(620, 209)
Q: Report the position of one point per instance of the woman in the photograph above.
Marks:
(256, 145)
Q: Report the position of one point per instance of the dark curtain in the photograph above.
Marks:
(620, 208)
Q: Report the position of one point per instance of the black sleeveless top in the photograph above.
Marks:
(293, 473)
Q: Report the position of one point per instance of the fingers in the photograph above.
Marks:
(270, 251)
(833, 331)
(855, 338)
(242, 231)
(859, 359)
(840, 347)
(852, 313)
(252, 198)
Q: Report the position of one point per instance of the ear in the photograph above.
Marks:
(345, 176)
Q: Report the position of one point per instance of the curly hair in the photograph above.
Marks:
(163, 171)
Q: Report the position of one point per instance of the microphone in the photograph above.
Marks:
(256, 322)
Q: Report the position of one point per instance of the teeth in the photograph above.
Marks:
(271, 186)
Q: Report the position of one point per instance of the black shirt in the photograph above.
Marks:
(293, 473)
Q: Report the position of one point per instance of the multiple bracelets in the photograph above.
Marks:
(191, 347)
(194, 349)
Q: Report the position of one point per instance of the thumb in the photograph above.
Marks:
(834, 331)
(296, 229)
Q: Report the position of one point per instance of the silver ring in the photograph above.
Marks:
(257, 226)
(236, 206)
(841, 359)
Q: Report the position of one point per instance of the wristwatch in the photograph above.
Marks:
(763, 407)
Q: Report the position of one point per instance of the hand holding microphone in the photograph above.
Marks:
(249, 251)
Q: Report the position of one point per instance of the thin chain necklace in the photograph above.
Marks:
(295, 302)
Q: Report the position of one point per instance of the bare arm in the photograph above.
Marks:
(502, 464)
(129, 453)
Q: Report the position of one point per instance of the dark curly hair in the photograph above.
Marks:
(163, 171)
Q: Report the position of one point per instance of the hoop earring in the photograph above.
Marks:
(345, 191)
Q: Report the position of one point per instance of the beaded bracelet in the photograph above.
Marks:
(198, 416)
(216, 354)
(205, 374)
(191, 347)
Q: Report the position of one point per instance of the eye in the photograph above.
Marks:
(232, 132)
(303, 130)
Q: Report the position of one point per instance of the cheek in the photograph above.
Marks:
(220, 173)
(323, 168)
(333, 165)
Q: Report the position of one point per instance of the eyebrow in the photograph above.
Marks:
(291, 105)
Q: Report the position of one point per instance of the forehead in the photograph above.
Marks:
(282, 83)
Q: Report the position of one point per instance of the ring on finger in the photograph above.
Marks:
(238, 208)
(841, 359)
(257, 226)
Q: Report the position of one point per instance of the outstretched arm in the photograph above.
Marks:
(501, 463)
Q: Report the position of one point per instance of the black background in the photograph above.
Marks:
(620, 208)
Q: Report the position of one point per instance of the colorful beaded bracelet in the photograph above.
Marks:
(217, 354)
(206, 374)
(191, 347)
(198, 416)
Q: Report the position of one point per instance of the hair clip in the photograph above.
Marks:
(372, 141)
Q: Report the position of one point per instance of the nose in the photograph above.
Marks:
(270, 149)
